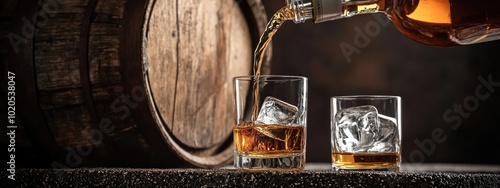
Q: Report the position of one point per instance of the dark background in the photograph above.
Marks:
(430, 80)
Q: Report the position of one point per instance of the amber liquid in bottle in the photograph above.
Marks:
(445, 22)
(435, 22)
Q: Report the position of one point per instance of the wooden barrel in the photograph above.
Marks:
(132, 83)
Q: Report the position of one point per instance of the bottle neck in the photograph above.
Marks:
(303, 11)
(326, 10)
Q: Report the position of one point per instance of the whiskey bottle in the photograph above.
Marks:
(432, 22)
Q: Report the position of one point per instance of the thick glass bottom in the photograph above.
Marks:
(366, 161)
(360, 167)
(284, 163)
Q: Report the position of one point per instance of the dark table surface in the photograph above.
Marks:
(315, 175)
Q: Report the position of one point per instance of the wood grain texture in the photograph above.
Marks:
(64, 92)
(190, 52)
(191, 66)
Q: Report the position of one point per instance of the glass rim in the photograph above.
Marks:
(267, 77)
(365, 97)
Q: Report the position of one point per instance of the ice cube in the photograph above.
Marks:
(275, 111)
(387, 136)
(357, 128)
(268, 133)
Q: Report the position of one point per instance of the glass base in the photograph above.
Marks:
(286, 163)
(365, 168)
